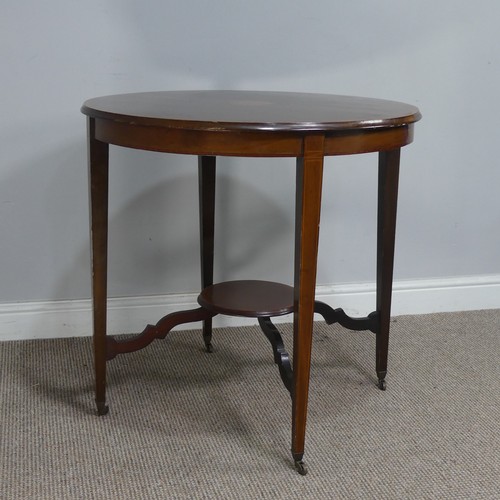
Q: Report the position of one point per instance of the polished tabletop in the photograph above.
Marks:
(233, 110)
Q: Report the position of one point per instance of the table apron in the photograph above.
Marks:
(248, 143)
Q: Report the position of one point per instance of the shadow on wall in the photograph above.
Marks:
(154, 235)
(153, 227)
(154, 239)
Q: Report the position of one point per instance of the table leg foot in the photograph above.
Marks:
(301, 467)
(207, 334)
(102, 408)
(382, 384)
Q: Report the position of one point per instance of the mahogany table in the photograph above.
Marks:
(257, 124)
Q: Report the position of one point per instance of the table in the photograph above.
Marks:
(208, 124)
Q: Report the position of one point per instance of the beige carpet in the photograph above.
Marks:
(186, 424)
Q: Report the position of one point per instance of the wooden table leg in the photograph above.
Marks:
(206, 181)
(386, 231)
(308, 208)
(98, 155)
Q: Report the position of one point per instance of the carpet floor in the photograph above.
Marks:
(186, 424)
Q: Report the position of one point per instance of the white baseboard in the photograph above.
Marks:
(72, 318)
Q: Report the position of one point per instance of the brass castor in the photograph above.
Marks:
(102, 409)
(382, 384)
(301, 467)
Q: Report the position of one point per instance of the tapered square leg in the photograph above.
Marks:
(388, 179)
(98, 179)
(206, 181)
(308, 208)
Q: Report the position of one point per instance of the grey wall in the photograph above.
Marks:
(442, 56)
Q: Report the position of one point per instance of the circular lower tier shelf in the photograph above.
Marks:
(250, 298)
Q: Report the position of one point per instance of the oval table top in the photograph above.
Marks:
(234, 110)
